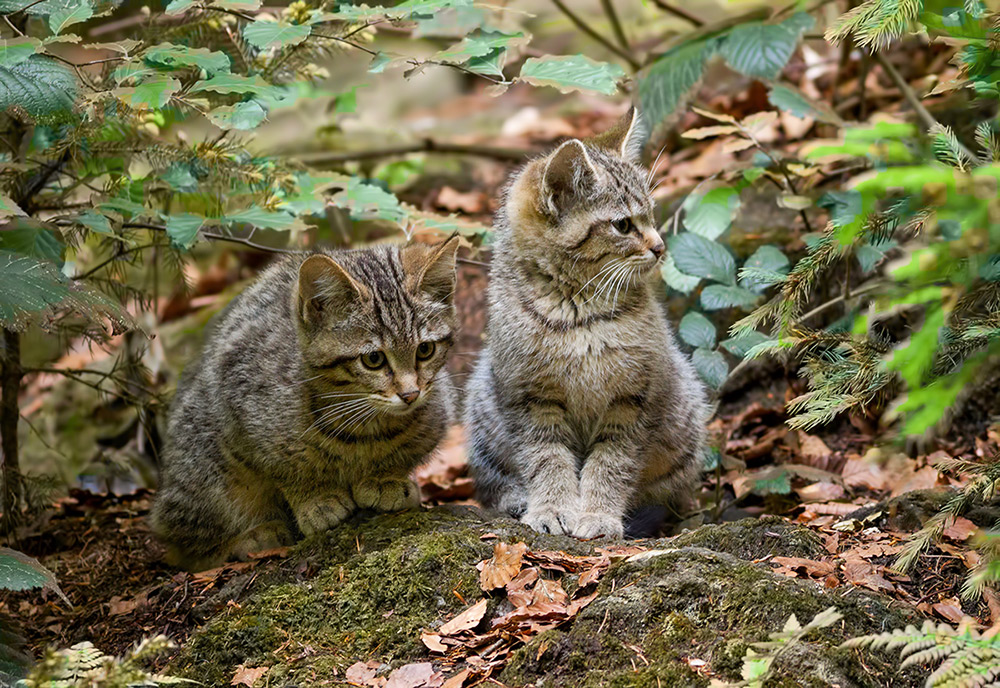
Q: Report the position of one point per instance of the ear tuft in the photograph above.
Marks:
(325, 287)
(626, 138)
(569, 174)
(431, 269)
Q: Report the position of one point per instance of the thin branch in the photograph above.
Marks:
(911, 97)
(424, 146)
(586, 28)
(118, 255)
(678, 12)
(616, 25)
(215, 237)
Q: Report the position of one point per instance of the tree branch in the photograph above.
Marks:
(583, 26)
(215, 237)
(678, 12)
(616, 25)
(424, 146)
(10, 472)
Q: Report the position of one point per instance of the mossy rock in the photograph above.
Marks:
(366, 590)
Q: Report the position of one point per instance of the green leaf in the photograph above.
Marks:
(366, 201)
(38, 85)
(178, 6)
(676, 279)
(711, 366)
(741, 344)
(170, 56)
(664, 85)
(266, 35)
(235, 83)
(572, 73)
(27, 286)
(20, 572)
(711, 213)
(762, 50)
(480, 44)
(716, 296)
(8, 207)
(774, 480)
(696, 255)
(799, 104)
(60, 19)
(123, 205)
(259, 217)
(29, 237)
(183, 229)
(153, 93)
(16, 50)
(697, 330)
(179, 177)
(95, 222)
(242, 116)
(869, 255)
(765, 258)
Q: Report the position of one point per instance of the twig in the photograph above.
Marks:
(10, 470)
(118, 255)
(678, 12)
(586, 28)
(616, 25)
(911, 97)
(424, 146)
(834, 301)
(215, 237)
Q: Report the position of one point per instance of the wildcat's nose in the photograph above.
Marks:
(657, 248)
(410, 397)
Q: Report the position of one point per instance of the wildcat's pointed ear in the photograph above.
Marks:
(568, 175)
(431, 269)
(325, 287)
(626, 138)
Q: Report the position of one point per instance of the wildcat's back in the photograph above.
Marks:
(582, 407)
(317, 391)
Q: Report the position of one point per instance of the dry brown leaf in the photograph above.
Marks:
(273, 553)
(960, 529)
(362, 673)
(420, 675)
(822, 492)
(503, 566)
(950, 609)
(471, 202)
(466, 620)
(433, 642)
(809, 567)
(245, 676)
(517, 590)
(924, 479)
(458, 680)
(813, 448)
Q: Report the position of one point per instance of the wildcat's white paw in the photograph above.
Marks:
(550, 520)
(387, 495)
(592, 525)
(324, 513)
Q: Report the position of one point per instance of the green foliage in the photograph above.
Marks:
(965, 657)
(19, 572)
(38, 86)
(84, 665)
(572, 72)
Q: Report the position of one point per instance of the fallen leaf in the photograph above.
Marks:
(273, 553)
(924, 479)
(458, 680)
(420, 675)
(950, 609)
(466, 620)
(813, 448)
(821, 492)
(245, 676)
(810, 567)
(433, 642)
(960, 529)
(361, 673)
(503, 566)
(518, 592)
(471, 202)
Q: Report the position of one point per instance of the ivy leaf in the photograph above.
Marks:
(697, 330)
(676, 279)
(762, 50)
(794, 101)
(572, 73)
(711, 366)
(183, 229)
(170, 56)
(765, 259)
(39, 85)
(259, 217)
(16, 50)
(696, 255)
(717, 296)
(711, 213)
(666, 83)
(20, 572)
(30, 237)
(267, 34)
(242, 116)
(68, 16)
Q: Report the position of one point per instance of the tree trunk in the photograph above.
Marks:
(10, 471)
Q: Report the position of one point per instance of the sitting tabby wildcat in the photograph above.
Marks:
(582, 407)
(319, 389)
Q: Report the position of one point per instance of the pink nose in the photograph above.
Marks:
(410, 397)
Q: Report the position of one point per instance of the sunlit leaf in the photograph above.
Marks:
(170, 56)
(259, 217)
(243, 116)
(16, 50)
(710, 214)
(183, 229)
(676, 279)
(63, 18)
(572, 73)
(665, 84)
(266, 34)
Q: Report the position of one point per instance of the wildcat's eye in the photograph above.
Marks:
(425, 350)
(373, 360)
(623, 225)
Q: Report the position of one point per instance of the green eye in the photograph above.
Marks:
(425, 350)
(373, 360)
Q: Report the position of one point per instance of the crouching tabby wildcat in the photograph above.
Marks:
(581, 407)
(319, 389)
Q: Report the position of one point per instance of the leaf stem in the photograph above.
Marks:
(616, 25)
(678, 12)
(587, 29)
(424, 146)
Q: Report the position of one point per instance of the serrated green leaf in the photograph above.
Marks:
(711, 213)
(696, 255)
(696, 330)
(793, 101)
(179, 177)
(366, 201)
(28, 285)
(153, 93)
(183, 229)
(95, 222)
(740, 345)
(266, 35)
(123, 205)
(766, 259)
(170, 56)
(762, 50)
(572, 73)
(235, 83)
(29, 237)
(676, 279)
(717, 296)
(480, 44)
(711, 366)
(665, 84)
(259, 217)
(38, 85)
(242, 116)
(63, 18)
(20, 572)
(16, 50)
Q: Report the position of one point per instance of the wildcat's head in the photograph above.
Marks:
(585, 209)
(375, 325)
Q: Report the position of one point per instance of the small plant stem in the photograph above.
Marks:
(587, 29)
(425, 146)
(10, 385)
(616, 25)
(213, 236)
(679, 13)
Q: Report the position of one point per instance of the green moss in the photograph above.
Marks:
(752, 539)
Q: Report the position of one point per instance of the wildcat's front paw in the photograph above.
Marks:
(550, 520)
(592, 525)
(324, 513)
(263, 537)
(387, 495)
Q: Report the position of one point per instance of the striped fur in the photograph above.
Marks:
(280, 428)
(581, 408)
